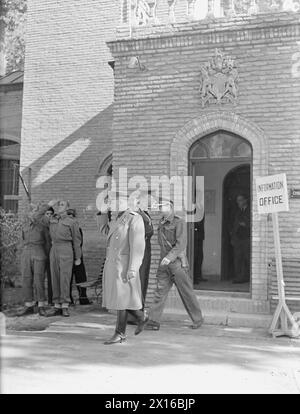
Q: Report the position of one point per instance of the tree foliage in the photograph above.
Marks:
(10, 239)
(13, 16)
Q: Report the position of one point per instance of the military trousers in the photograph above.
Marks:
(174, 273)
(61, 265)
(33, 264)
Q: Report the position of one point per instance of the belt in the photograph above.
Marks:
(54, 243)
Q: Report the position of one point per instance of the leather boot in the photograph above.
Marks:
(141, 317)
(119, 335)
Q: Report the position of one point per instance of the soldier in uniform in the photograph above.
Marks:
(79, 272)
(49, 213)
(65, 251)
(173, 268)
(36, 243)
(125, 252)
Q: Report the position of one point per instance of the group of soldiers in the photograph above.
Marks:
(52, 246)
(53, 240)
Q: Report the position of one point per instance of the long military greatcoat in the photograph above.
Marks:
(125, 252)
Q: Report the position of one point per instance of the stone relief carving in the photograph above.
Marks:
(219, 80)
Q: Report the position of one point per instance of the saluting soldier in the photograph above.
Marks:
(65, 251)
(173, 268)
(36, 243)
(124, 256)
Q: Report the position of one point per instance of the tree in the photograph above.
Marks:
(13, 16)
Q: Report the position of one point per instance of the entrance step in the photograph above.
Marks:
(230, 319)
(221, 302)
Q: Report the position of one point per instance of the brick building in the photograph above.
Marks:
(160, 108)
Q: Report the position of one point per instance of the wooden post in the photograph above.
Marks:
(282, 313)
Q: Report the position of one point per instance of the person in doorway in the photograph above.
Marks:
(172, 238)
(240, 239)
(36, 240)
(65, 252)
(49, 214)
(79, 272)
(199, 236)
(125, 252)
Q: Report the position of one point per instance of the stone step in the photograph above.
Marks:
(230, 319)
(221, 302)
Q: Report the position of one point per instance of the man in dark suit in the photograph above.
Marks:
(240, 239)
(199, 235)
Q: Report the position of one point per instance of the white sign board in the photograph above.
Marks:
(272, 194)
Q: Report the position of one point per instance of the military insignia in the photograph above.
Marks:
(219, 79)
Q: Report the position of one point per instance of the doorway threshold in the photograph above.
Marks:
(223, 294)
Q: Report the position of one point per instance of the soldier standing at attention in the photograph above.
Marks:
(172, 238)
(36, 243)
(65, 251)
(124, 256)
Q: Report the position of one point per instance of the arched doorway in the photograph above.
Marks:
(225, 161)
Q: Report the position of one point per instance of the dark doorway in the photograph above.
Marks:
(236, 182)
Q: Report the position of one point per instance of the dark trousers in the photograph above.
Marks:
(122, 316)
(79, 274)
(242, 260)
(49, 282)
(145, 270)
(198, 255)
(166, 277)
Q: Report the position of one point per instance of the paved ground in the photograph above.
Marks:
(69, 357)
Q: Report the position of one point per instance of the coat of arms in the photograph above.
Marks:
(219, 80)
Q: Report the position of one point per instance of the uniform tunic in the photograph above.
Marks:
(125, 252)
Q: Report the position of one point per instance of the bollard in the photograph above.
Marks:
(2, 324)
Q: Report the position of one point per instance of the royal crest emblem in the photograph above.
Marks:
(219, 79)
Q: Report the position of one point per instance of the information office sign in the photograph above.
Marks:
(272, 194)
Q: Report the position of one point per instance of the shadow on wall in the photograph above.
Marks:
(68, 171)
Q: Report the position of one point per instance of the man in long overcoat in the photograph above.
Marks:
(125, 252)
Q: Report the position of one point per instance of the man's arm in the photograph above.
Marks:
(181, 241)
(103, 223)
(76, 236)
(136, 244)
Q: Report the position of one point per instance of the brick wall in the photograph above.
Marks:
(67, 107)
(152, 106)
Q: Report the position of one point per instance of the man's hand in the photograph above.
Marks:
(165, 261)
(242, 223)
(130, 275)
(53, 202)
(77, 262)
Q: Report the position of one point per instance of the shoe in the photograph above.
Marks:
(117, 338)
(65, 312)
(55, 312)
(28, 310)
(85, 301)
(42, 311)
(196, 325)
(141, 325)
(200, 280)
(152, 326)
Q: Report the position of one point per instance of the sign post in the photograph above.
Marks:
(272, 198)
